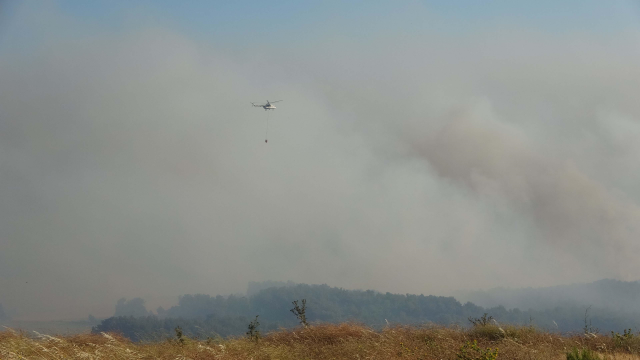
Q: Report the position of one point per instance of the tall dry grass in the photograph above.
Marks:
(344, 341)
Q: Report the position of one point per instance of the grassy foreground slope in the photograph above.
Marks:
(343, 341)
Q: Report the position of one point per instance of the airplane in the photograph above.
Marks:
(267, 106)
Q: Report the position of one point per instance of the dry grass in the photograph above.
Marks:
(344, 341)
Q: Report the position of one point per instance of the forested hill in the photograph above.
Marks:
(229, 315)
(326, 304)
(609, 294)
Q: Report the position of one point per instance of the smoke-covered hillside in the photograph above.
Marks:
(609, 294)
(204, 315)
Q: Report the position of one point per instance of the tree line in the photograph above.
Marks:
(212, 316)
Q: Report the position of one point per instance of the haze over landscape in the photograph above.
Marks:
(422, 147)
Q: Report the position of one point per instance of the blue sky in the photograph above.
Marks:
(295, 22)
(289, 14)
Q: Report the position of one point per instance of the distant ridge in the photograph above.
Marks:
(204, 315)
(606, 293)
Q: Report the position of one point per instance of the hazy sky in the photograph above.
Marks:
(422, 147)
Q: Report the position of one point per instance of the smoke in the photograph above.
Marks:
(575, 215)
(132, 164)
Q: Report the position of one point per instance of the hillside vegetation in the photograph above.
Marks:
(340, 341)
(209, 316)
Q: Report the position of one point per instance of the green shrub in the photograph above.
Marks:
(471, 351)
(300, 312)
(627, 341)
(254, 333)
(179, 336)
(585, 354)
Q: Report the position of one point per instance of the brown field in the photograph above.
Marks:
(345, 341)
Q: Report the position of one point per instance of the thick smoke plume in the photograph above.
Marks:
(576, 215)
